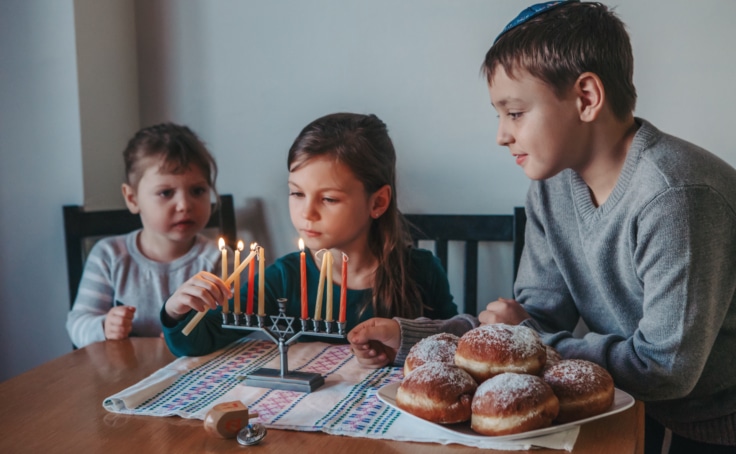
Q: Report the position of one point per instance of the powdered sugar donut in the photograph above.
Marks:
(511, 403)
(490, 350)
(437, 392)
(438, 348)
(584, 388)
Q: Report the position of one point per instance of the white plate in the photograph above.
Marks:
(621, 402)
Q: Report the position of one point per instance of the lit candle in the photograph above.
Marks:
(251, 281)
(261, 281)
(236, 296)
(223, 249)
(321, 285)
(303, 274)
(328, 303)
(228, 282)
(344, 289)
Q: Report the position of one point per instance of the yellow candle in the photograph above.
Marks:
(236, 262)
(228, 282)
(261, 281)
(251, 284)
(328, 303)
(303, 278)
(223, 249)
(321, 285)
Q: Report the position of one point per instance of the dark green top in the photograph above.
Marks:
(283, 281)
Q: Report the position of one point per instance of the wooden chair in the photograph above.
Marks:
(470, 229)
(82, 228)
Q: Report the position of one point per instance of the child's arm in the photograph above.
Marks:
(201, 292)
(86, 321)
(503, 310)
(379, 342)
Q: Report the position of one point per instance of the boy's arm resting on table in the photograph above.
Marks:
(683, 258)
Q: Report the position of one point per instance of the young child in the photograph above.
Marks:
(342, 196)
(170, 180)
(628, 228)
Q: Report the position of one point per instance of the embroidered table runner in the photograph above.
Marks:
(346, 404)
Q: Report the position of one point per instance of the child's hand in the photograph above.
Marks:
(375, 342)
(503, 310)
(203, 291)
(119, 322)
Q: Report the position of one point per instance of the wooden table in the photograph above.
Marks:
(57, 407)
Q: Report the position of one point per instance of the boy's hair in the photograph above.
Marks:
(558, 45)
(362, 143)
(178, 148)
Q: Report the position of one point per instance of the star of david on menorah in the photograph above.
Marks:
(283, 334)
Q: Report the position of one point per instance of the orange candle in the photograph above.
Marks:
(303, 273)
(223, 249)
(344, 289)
(261, 281)
(251, 281)
(236, 290)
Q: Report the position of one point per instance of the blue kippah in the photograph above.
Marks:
(532, 11)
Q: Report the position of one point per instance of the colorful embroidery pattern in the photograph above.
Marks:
(348, 410)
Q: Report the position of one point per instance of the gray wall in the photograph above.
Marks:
(77, 78)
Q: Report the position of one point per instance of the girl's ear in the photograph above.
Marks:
(131, 200)
(380, 201)
(591, 96)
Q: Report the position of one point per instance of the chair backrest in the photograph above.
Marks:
(470, 229)
(81, 227)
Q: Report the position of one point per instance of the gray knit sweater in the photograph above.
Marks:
(652, 273)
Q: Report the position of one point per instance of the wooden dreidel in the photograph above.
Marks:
(226, 419)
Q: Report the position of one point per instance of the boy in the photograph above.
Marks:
(628, 228)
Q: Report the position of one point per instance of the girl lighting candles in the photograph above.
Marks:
(342, 196)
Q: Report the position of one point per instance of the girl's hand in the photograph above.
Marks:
(203, 291)
(119, 322)
(503, 310)
(375, 342)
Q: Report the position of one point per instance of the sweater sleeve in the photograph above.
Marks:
(85, 322)
(682, 260)
(412, 331)
(204, 339)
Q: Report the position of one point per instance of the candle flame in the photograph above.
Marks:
(344, 257)
(240, 245)
(253, 246)
(301, 244)
(221, 244)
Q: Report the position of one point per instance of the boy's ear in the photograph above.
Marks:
(591, 96)
(131, 200)
(380, 201)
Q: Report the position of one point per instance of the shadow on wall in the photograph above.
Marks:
(251, 223)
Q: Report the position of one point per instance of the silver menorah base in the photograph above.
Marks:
(282, 333)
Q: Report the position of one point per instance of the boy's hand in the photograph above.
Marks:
(203, 291)
(503, 310)
(375, 342)
(119, 322)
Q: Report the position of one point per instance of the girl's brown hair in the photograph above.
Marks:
(362, 143)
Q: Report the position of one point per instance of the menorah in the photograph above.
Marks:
(282, 333)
